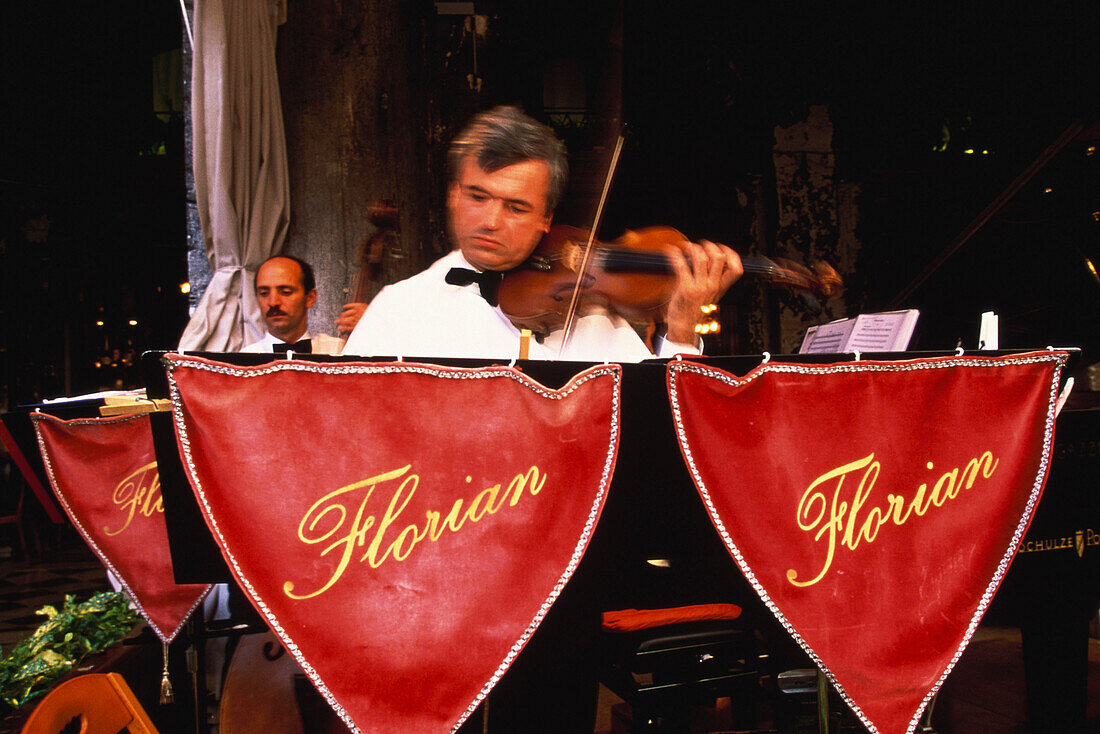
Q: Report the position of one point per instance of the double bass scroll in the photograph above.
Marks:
(370, 255)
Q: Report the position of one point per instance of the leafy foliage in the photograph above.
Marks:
(62, 642)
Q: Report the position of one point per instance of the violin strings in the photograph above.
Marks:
(571, 313)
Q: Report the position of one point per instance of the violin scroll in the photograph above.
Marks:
(821, 280)
(370, 255)
(831, 282)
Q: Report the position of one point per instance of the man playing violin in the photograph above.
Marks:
(508, 173)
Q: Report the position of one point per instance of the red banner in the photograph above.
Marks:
(403, 528)
(874, 507)
(104, 473)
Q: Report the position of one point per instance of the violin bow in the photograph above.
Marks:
(574, 301)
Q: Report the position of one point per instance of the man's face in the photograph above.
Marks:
(284, 303)
(498, 218)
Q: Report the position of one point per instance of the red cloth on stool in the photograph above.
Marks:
(630, 620)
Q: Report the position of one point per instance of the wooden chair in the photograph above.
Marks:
(102, 703)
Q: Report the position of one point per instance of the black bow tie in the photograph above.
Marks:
(488, 281)
(305, 346)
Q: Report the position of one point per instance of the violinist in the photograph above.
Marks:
(508, 173)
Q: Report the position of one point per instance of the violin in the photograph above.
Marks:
(631, 276)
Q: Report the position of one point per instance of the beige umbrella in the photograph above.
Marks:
(240, 164)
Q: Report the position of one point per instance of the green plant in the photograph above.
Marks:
(62, 642)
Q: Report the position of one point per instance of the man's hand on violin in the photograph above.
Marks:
(704, 272)
(349, 317)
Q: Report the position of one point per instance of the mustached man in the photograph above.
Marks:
(286, 290)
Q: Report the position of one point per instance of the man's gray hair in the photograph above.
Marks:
(504, 136)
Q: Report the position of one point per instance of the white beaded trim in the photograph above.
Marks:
(1059, 360)
(164, 636)
(173, 362)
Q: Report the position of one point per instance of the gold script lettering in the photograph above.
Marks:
(328, 519)
(139, 492)
(837, 521)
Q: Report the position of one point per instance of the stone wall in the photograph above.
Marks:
(199, 272)
(355, 107)
(816, 216)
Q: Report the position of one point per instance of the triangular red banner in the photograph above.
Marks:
(874, 506)
(104, 473)
(403, 528)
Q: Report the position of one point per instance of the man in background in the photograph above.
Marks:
(286, 289)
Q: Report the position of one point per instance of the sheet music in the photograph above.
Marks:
(827, 338)
(889, 331)
(137, 392)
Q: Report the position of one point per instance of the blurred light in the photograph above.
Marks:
(1092, 270)
(1091, 150)
(1096, 216)
(1048, 190)
(185, 288)
(969, 151)
(99, 323)
(985, 152)
(132, 322)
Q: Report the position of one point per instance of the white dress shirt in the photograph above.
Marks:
(320, 344)
(424, 316)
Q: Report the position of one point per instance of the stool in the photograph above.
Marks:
(801, 710)
(805, 708)
(665, 660)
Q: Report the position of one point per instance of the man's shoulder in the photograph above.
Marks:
(421, 285)
(414, 315)
(434, 273)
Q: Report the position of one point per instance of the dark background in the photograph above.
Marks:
(99, 176)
